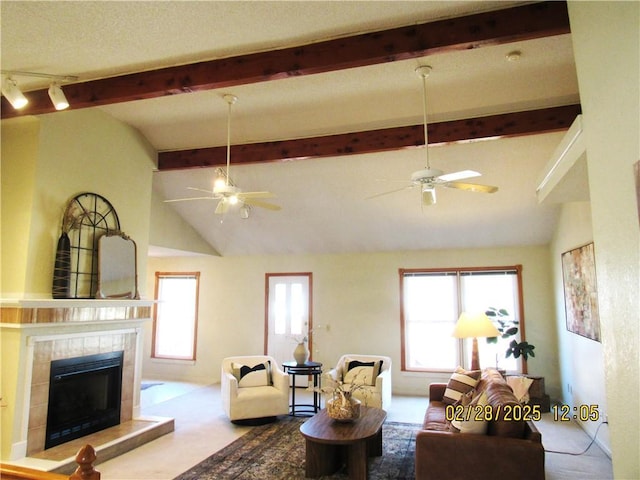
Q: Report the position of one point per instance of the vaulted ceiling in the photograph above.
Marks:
(329, 110)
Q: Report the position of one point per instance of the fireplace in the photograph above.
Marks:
(84, 396)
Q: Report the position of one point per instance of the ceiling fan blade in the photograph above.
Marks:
(452, 177)
(246, 195)
(407, 187)
(471, 187)
(256, 203)
(210, 192)
(189, 198)
(222, 207)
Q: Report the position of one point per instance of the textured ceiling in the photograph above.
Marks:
(325, 205)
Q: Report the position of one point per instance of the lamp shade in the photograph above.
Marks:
(474, 325)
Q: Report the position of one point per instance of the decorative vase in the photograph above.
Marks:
(62, 268)
(343, 408)
(301, 354)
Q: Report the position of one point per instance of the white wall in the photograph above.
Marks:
(581, 359)
(606, 42)
(355, 295)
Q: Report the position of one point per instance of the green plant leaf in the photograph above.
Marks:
(511, 331)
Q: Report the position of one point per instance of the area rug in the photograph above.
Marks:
(277, 452)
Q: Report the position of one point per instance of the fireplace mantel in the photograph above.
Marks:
(39, 331)
(20, 312)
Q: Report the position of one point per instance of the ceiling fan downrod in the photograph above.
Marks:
(423, 71)
(230, 99)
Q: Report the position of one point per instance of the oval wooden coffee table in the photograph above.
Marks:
(330, 443)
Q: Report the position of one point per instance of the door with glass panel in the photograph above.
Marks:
(288, 315)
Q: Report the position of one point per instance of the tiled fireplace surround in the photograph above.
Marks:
(60, 329)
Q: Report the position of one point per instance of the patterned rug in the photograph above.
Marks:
(277, 452)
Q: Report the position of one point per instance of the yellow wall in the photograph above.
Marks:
(18, 159)
(46, 161)
(357, 295)
(606, 41)
(65, 154)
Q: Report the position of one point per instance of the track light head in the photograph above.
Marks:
(57, 97)
(12, 93)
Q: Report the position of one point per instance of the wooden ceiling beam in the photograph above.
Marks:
(472, 31)
(504, 125)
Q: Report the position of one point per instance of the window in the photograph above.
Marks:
(176, 316)
(431, 302)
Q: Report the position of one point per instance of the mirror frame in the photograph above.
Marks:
(103, 270)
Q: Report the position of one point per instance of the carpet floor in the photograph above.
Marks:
(277, 451)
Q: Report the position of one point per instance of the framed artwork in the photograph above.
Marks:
(580, 292)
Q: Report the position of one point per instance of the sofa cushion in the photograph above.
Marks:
(461, 382)
(472, 418)
(258, 375)
(435, 417)
(504, 404)
(361, 372)
(520, 386)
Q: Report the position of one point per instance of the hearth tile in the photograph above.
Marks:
(40, 394)
(106, 343)
(91, 345)
(42, 352)
(40, 373)
(60, 349)
(35, 439)
(76, 347)
(38, 416)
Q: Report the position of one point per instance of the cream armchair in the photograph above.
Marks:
(251, 391)
(376, 395)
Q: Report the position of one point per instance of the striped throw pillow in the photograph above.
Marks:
(257, 376)
(461, 382)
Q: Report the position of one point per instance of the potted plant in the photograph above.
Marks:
(508, 328)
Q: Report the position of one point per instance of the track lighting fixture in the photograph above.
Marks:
(57, 97)
(12, 93)
(17, 99)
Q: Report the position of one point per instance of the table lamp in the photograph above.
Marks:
(474, 325)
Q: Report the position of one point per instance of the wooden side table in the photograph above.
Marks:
(327, 440)
(313, 369)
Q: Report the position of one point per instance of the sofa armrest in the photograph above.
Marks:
(436, 391)
(228, 390)
(453, 456)
(333, 375)
(280, 380)
(383, 388)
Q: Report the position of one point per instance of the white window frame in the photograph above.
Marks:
(462, 352)
(188, 319)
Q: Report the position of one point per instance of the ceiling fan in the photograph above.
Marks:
(430, 178)
(224, 190)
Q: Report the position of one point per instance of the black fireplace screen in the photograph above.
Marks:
(84, 396)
